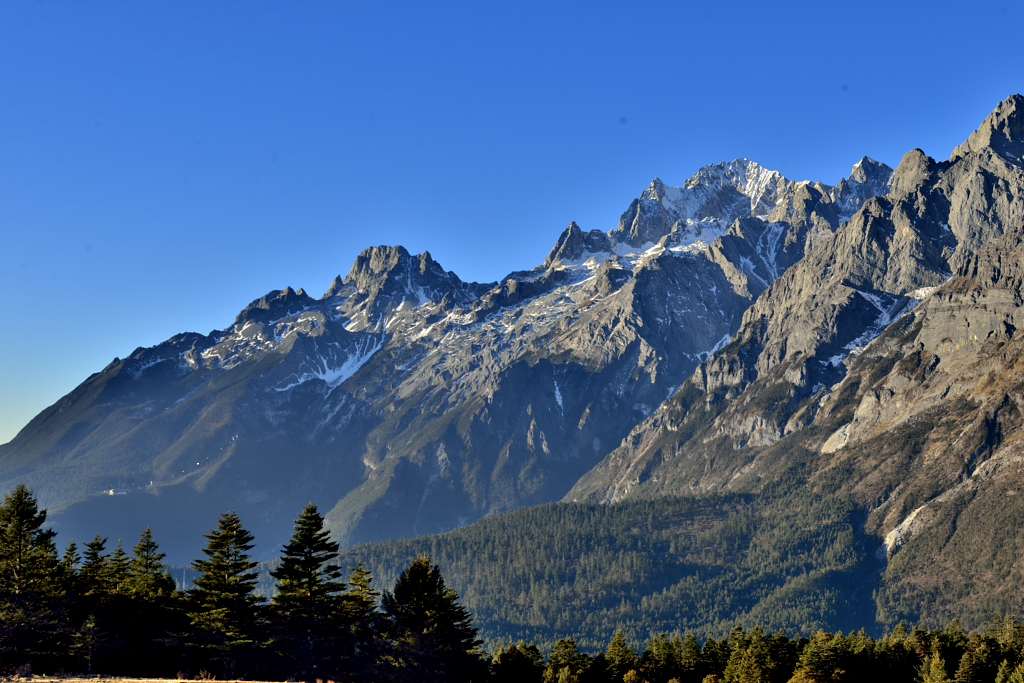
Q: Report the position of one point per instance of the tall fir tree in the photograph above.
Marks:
(759, 658)
(224, 609)
(621, 657)
(979, 662)
(565, 663)
(689, 657)
(933, 669)
(70, 560)
(432, 635)
(364, 621)
(148, 578)
(104, 616)
(84, 640)
(95, 573)
(307, 609)
(119, 567)
(151, 609)
(69, 567)
(32, 628)
(660, 658)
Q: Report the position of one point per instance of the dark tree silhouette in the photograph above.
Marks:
(148, 577)
(309, 625)
(31, 622)
(223, 605)
(431, 633)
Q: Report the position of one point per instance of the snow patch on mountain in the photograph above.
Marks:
(334, 375)
(890, 309)
(768, 247)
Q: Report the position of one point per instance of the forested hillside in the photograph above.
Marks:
(655, 565)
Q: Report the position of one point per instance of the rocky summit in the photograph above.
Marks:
(726, 333)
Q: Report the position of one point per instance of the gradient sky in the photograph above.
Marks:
(164, 163)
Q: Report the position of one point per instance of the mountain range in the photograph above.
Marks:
(853, 343)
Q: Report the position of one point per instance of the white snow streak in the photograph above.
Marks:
(333, 376)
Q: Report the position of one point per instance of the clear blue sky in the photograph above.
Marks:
(163, 163)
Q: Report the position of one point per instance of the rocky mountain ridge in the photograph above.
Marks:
(407, 401)
(724, 332)
(883, 369)
(868, 409)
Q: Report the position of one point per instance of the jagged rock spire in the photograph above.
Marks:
(1002, 132)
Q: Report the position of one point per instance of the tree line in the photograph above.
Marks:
(110, 612)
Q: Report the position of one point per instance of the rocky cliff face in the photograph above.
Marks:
(407, 401)
(883, 368)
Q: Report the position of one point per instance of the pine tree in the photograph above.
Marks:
(27, 550)
(432, 634)
(224, 608)
(818, 660)
(95, 573)
(148, 578)
(31, 586)
(146, 612)
(567, 675)
(84, 641)
(933, 669)
(361, 600)
(1010, 635)
(119, 567)
(566, 661)
(95, 639)
(70, 560)
(757, 658)
(747, 665)
(659, 661)
(69, 566)
(688, 656)
(979, 663)
(621, 657)
(307, 606)
(715, 656)
(365, 624)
